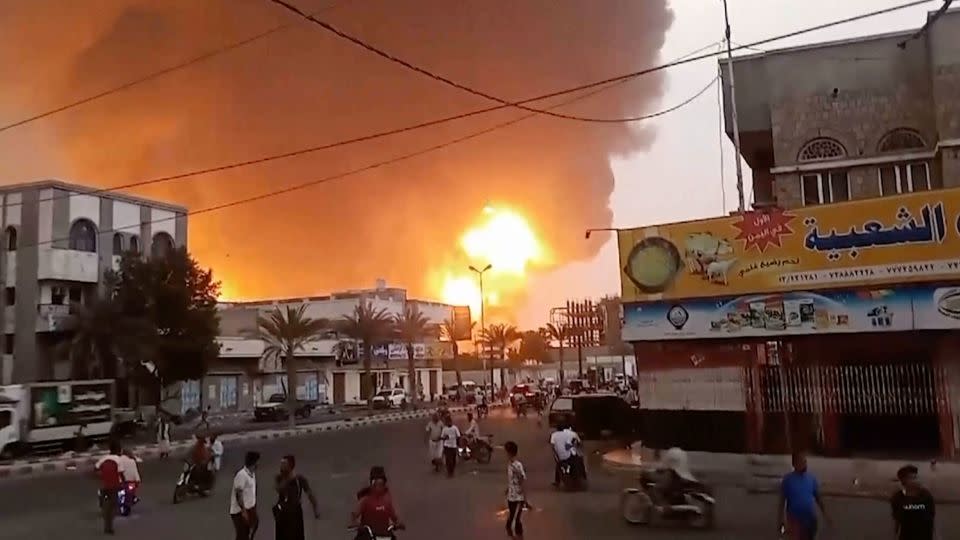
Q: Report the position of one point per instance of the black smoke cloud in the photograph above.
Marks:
(302, 87)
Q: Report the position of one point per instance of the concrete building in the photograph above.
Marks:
(821, 318)
(59, 240)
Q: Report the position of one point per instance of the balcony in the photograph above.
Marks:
(68, 265)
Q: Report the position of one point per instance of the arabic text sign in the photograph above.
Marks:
(909, 238)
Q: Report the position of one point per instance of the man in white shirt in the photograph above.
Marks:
(566, 444)
(434, 448)
(473, 428)
(216, 448)
(243, 499)
(450, 436)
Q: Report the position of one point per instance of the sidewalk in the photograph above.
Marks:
(85, 461)
(841, 477)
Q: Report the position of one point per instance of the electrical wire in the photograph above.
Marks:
(429, 123)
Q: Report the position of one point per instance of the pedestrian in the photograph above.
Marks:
(288, 511)
(216, 448)
(450, 436)
(799, 499)
(163, 437)
(109, 470)
(434, 447)
(243, 498)
(516, 491)
(204, 424)
(913, 507)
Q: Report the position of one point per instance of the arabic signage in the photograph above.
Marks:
(795, 313)
(398, 351)
(904, 239)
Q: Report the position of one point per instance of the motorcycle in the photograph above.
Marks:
(365, 533)
(192, 481)
(573, 474)
(126, 498)
(647, 504)
(480, 449)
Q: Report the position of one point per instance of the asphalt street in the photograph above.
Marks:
(467, 507)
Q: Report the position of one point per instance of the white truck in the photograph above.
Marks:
(54, 415)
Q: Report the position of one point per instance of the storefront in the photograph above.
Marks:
(831, 328)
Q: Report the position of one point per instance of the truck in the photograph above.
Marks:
(275, 409)
(49, 416)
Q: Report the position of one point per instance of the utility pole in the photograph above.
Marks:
(482, 325)
(741, 198)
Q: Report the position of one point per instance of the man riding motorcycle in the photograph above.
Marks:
(566, 451)
(675, 476)
(200, 457)
(374, 515)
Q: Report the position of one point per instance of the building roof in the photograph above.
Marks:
(100, 192)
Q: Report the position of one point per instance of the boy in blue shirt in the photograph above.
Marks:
(799, 499)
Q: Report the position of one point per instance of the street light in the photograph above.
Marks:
(480, 277)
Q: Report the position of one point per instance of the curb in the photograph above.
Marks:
(86, 461)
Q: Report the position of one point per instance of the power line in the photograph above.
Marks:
(156, 74)
(606, 83)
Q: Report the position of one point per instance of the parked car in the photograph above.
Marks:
(596, 416)
(389, 399)
(275, 409)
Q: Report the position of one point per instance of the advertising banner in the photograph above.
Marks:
(921, 307)
(462, 324)
(889, 240)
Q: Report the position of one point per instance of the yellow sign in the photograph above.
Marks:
(908, 238)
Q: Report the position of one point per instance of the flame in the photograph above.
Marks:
(504, 239)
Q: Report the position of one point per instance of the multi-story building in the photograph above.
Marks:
(59, 240)
(330, 369)
(828, 316)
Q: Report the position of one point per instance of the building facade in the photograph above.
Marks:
(59, 240)
(824, 318)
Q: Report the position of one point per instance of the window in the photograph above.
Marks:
(10, 296)
(824, 188)
(11, 236)
(117, 243)
(5, 418)
(76, 294)
(83, 236)
(135, 244)
(162, 245)
(8, 344)
(820, 149)
(901, 139)
(904, 178)
(57, 295)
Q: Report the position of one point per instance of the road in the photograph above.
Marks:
(467, 507)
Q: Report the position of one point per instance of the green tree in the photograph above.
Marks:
(369, 326)
(285, 332)
(178, 299)
(102, 337)
(533, 346)
(560, 334)
(448, 330)
(411, 327)
(500, 337)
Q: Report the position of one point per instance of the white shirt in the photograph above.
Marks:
(217, 448)
(474, 429)
(563, 443)
(246, 482)
(434, 430)
(515, 477)
(109, 457)
(128, 469)
(450, 436)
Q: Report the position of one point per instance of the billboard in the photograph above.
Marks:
(462, 324)
(903, 239)
(919, 307)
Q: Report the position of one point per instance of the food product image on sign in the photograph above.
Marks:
(653, 264)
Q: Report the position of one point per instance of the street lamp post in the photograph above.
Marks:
(482, 325)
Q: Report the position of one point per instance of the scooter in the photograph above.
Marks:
(188, 483)
(647, 504)
(480, 449)
(573, 474)
(126, 498)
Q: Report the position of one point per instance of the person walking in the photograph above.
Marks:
(288, 511)
(799, 499)
(516, 491)
(450, 436)
(243, 498)
(163, 437)
(216, 449)
(109, 470)
(434, 447)
(913, 508)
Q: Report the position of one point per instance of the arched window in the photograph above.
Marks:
(83, 236)
(820, 149)
(117, 243)
(901, 139)
(162, 245)
(135, 244)
(11, 236)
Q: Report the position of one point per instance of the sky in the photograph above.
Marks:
(404, 222)
(679, 176)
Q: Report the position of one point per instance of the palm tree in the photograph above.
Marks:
(560, 334)
(411, 328)
(500, 337)
(284, 332)
(448, 330)
(103, 337)
(369, 326)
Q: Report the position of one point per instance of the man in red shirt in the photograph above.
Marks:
(375, 508)
(108, 470)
